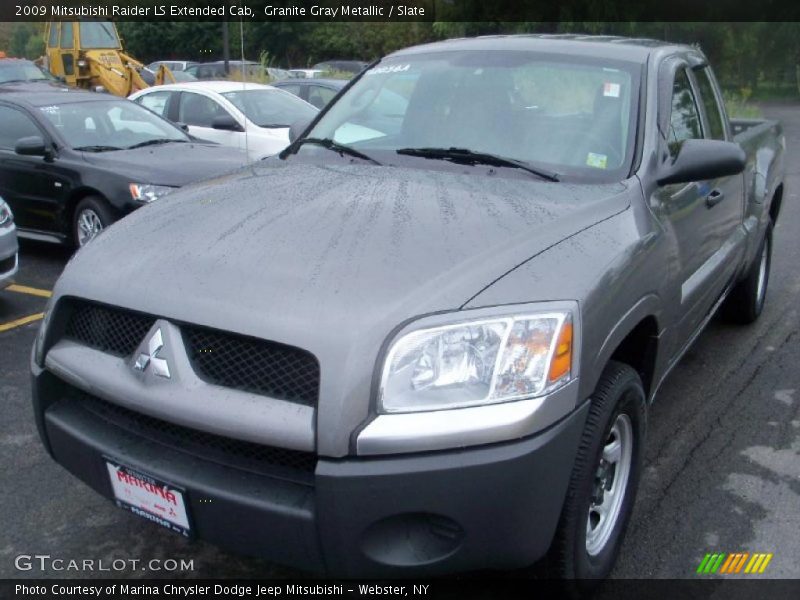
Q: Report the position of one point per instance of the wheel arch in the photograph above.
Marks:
(72, 202)
(775, 203)
(635, 341)
(639, 349)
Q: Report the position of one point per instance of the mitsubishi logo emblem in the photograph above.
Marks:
(154, 346)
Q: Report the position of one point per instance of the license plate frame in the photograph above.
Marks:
(149, 497)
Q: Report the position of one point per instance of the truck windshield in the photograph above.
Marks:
(107, 125)
(572, 115)
(98, 34)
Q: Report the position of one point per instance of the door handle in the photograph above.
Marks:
(715, 197)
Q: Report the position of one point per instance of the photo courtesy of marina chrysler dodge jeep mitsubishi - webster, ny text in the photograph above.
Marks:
(424, 338)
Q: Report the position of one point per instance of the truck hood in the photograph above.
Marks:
(174, 164)
(331, 259)
(353, 242)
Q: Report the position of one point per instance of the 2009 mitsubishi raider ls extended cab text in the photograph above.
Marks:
(425, 338)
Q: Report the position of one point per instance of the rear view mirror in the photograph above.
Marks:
(699, 160)
(297, 128)
(226, 123)
(31, 146)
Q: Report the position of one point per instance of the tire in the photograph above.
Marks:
(746, 301)
(91, 216)
(618, 413)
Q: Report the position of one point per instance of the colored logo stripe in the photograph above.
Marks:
(720, 562)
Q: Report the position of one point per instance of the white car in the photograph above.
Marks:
(249, 116)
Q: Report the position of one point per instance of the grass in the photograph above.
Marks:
(739, 106)
(260, 77)
(335, 75)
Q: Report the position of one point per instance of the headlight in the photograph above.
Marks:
(145, 192)
(6, 218)
(478, 362)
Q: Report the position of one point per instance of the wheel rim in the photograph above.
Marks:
(610, 484)
(761, 286)
(89, 225)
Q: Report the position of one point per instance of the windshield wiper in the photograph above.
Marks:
(96, 148)
(470, 157)
(336, 147)
(155, 142)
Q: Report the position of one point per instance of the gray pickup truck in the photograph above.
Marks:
(425, 338)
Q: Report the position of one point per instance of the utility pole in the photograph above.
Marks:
(226, 48)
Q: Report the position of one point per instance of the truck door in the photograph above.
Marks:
(727, 199)
(692, 214)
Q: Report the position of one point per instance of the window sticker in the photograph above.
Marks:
(611, 90)
(598, 161)
(388, 69)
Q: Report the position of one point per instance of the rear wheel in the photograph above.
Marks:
(604, 479)
(746, 301)
(92, 216)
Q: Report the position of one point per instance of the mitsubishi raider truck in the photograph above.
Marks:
(424, 338)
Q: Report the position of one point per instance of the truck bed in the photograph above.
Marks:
(746, 129)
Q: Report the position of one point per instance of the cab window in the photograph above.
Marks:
(716, 129)
(684, 123)
(53, 39)
(66, 35)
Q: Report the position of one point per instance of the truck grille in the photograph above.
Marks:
(116, 331)
(225, 359)
(253, 365)
(240, 454)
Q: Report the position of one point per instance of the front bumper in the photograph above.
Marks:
(493, 506)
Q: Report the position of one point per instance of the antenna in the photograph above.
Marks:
(244, 80)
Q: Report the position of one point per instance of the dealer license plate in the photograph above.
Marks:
(149, 498)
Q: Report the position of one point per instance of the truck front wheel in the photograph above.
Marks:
(604, 478)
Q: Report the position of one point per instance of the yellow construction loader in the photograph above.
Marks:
(89, 55)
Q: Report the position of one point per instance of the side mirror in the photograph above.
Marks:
(699, 160)
(226, 123)
(297, 128)
(182, 126)
(31, 146)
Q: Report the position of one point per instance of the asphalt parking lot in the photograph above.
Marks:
(722, 470)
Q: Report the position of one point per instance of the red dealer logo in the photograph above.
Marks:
(146, 485)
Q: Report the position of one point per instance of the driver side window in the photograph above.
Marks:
(199, 111)
(14, 125)
(684, 122)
